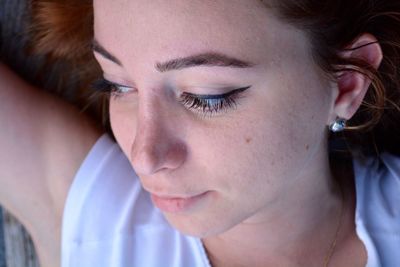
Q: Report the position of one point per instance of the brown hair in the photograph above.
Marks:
(64, 29)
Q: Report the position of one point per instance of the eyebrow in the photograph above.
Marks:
(97, 47)
(210, 59)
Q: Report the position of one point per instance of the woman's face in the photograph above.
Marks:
(243, 160)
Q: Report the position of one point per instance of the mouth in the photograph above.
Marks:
(174, 204)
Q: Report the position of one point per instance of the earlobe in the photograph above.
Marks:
(352, 86)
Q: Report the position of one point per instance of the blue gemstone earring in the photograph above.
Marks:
(338, 125)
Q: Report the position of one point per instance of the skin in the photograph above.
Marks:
(44, 141)
(265, 163)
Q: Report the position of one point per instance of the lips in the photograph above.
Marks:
(174, 204)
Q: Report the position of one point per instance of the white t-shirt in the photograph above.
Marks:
(110, 221)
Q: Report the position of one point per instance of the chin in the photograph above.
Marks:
(196, 226)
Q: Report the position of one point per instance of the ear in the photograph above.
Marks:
(352, 86)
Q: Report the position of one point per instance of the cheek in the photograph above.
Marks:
(294, 126)
(271, 141)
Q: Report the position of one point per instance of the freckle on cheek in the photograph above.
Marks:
(307, 147)
(248, 140)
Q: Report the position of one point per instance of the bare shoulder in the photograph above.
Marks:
(43, 142)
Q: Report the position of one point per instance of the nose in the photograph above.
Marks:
(156, 146)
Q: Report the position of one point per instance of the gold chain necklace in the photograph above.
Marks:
(333, 245)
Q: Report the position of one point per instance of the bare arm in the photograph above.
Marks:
(43, 141)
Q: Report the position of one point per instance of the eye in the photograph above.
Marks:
(204, 105)
(209, 105)
(113, 89)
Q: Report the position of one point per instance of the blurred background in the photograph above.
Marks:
(16, 247)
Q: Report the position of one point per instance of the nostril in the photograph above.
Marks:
(176, 156)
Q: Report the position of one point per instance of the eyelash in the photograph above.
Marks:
(205, 105)
(109, 88)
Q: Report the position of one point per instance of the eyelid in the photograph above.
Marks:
(117, 84)
(235, 91)
(206, 96)
(208, 106)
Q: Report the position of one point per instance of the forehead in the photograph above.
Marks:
(175, 28)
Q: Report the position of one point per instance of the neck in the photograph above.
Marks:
(297, 231)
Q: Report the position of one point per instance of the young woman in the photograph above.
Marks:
(222, 112)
